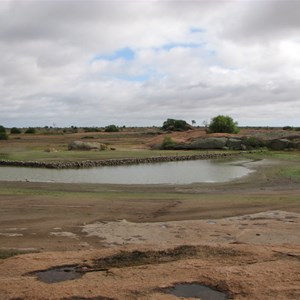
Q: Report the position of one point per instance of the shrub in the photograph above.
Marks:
(287, 128)
(91, 129)
(30, 130)
(223, 124)
(111, 128)
(176, 125)
(253, 142)
(3, 134)
(168, 143)
(15, 130)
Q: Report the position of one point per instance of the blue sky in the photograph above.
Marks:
(138, 63)
(124, 54)
(129, 57)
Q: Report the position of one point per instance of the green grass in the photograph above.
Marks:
(136, 193)
(291, 155)
(10, 253)
(292, 173)
(39, 155)
(290, 167)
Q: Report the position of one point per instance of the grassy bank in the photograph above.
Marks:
(36, 155)
(288, 163)
(292, 173)
(10, 253)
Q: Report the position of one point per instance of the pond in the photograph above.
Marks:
(181, 172)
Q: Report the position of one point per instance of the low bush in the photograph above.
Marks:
(30, 130)
(15, 130)
(168, 143)
(91, 129)
(254, 142)
(111, 128)
(3, 134)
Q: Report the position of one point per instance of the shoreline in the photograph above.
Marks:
(115, 162)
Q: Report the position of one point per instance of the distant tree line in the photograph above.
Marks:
(218, 124)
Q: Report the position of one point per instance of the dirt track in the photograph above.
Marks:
(246, 236)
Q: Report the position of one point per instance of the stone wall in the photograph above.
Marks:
(115, 162)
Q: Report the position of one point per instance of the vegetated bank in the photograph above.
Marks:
(117, 162)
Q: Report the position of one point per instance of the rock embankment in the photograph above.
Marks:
(114, 162)
(237, 143)
(86, 146)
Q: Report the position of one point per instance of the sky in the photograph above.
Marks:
(138, 63)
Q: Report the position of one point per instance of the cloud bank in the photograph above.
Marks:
(93, 63)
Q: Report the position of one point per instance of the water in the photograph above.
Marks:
(58, 274)
(182, 172)
(195, 290)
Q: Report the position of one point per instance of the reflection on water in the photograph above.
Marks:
(182, 172)
(58, 274)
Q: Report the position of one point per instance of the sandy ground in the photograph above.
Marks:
(240, 238)
(254, 256)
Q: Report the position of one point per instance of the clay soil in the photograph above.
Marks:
(131, 242)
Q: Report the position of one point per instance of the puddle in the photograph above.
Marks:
(195, 290)
(84, 298)
(58, 274)
(134, 258)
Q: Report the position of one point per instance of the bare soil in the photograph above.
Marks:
(131, 242)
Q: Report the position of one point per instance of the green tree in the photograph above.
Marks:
(3, 134)
(287, 128)
(30, 130)
(168, 143)
(15, 130)
(223, 124)
(175, 125)
(111, 128)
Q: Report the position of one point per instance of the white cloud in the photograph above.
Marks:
(192, 60)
